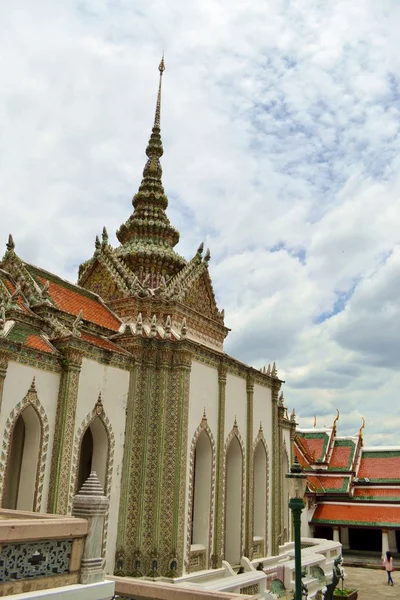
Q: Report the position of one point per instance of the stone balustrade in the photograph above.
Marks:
(39, 551)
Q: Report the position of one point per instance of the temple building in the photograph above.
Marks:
(125, 374)
(353, 492)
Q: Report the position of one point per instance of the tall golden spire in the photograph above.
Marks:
(147, 238)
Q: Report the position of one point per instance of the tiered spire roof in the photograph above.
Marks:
(147, 238)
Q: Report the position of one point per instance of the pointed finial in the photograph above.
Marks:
(97, 243)
(167, 328)
(183, 328)
(280, 399)
(161, 68)
(10, 244)
(139, 324)
(104, 236)
(200, 248)
(260, 429)
(274, 372)
(204, 418)
(235, 425)
(269, 370)
(33, 385)
(99, 409)
(293, 416)
(207, 255)
(77, 324)
(153, 326)
(264, 370)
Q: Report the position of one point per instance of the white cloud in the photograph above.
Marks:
(280, 123)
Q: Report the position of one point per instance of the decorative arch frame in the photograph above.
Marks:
(96, 413)
(233, 433)
(261, 439)
(31, 399)
(285, 532)
(203, 427)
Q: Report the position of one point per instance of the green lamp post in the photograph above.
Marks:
(297, 486)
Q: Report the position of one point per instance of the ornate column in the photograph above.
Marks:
(165, 364)
(172, 505)
(216, 558)
(4, 358)
(64, 431)
(276, 471)
(249, 509)
(123, 517)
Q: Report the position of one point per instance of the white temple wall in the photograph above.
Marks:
(236, 405)
(113, 383)
(262, 412)
(203, 394)
(16, 385)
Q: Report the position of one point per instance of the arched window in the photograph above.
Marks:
(260, 496)
(202, 491)
(93, 453)
(233, 502)
(23, 461)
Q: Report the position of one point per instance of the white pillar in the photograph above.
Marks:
(385, 541)
(336, 537)
(392, 540)
(345, 538)
(92, 504)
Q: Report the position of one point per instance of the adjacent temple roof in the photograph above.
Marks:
(349, 484)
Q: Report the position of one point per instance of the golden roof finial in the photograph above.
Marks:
(335, 421)
(360, 433)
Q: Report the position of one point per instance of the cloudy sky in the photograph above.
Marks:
(280, 124)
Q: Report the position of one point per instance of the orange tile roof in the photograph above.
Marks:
(380, 466)
(369, 493)
(101, 343)
(342, 455)
(357, 514)
(71, 299)
(328, 484)
(37, 342)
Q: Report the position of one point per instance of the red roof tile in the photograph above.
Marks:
(340, 457)
(380, 466)
(37, 342)
(357, 514)
(101, 343)
(72, 299)
(376, 492)
(329, 484)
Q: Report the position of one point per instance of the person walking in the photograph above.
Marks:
(388, 565)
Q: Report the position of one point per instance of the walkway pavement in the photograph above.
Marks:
(371, 583)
